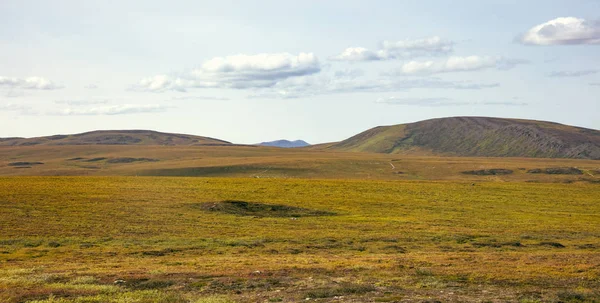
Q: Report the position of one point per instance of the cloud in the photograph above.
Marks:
(403, 49)
(200, 98)
(563, 31)
(349, 73)
(325, 84)
(91, 86)
(14, 107)
(434, 102)
(458, 64)
(595, 84)
(123, 109)
(81, 102)
(38, 83)
(569, 74)
(507, 103)
(22, 109)
(359, 54)
(14, 93)
(237, 72)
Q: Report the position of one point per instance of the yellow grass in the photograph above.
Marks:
(68, 239)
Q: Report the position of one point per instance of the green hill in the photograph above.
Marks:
(478, 136)
(115, 137)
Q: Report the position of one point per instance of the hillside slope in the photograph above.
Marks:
(479, 136)
(115, 137)
(285, 143)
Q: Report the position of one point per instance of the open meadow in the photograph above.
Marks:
(183, 239)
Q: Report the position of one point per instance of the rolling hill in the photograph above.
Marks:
(478, 136)
(285, 143)
(115, 137)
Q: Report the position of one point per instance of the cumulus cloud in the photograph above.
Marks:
(237, 72)
(571, 74)
(403, 49)
(434, 102)
(457, 64)
(122, 109)
(38, 83)
(563, 31)
(358, 54)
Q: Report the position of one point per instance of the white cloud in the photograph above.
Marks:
(571, 74)
(326, 84)
(403, 49)
(200, 98)
(458, 64)
(28, 83)
(358, 54)
(81, 102)
(595, 84)
(349, 73)
(122, 109)
(21, 109)
(14, 107)
(238, 72)
(563, 31)
(91, 86)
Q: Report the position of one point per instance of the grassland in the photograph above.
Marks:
(266, 162)
(159, 239)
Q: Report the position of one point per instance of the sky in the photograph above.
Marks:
(321, 71)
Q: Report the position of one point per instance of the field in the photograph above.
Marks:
(182, 239)
(256, 224)
(264, 162)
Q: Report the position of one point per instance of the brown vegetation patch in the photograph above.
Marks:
(556, 171)
(243, 208)
(488, 172)
(24, 163)
(130, 160)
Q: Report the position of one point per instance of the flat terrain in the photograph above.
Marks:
(170, 224)
(173, 239)
(270, 162)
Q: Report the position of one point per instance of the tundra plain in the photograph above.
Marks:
(256, 224)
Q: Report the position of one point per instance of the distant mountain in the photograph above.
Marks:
(115, 137)
(285, 143)
(478, 136)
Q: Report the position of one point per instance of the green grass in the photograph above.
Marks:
(69, 239)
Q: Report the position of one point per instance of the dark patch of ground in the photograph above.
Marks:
(95, 159)
(24, 163)
(243, 208)
(489, 172)
(556, 171)
(130, 160)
